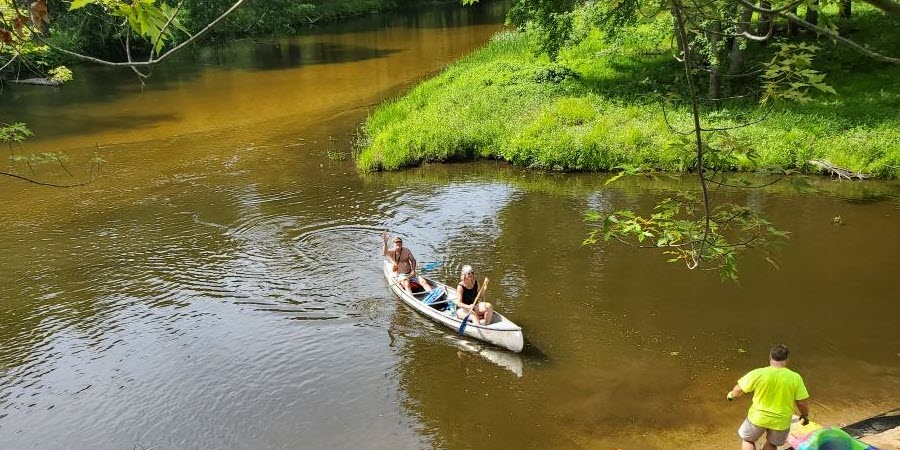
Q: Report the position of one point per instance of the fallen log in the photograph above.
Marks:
(840, 172)
(38, 81)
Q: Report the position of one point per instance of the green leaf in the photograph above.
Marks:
(76, 4)
(825, 88)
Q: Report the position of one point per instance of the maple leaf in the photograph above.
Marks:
(5, 36)
(19, 22)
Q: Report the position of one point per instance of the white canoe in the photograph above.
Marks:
(500, 332)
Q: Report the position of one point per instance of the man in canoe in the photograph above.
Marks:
(776, 390)
(404, 263)
(466, 293)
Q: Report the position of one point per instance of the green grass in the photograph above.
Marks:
(597, 107)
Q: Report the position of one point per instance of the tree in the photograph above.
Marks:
(710, 38)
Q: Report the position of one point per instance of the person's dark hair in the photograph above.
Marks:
(779, 353)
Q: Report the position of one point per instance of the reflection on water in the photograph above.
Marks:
(222, 289)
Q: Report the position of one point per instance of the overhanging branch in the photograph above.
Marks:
(822, 31)
(152, 61)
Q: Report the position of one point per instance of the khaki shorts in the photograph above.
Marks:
(405, 276)
(752, 433)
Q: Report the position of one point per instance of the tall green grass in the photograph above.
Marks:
(598, 107)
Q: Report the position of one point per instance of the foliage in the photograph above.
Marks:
(60, 74)
(550, 19)
(674, 227)
(789, 76)
(146, 18)
(14, 133)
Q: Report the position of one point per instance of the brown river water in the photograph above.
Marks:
(219, 286)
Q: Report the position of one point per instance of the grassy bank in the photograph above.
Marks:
(598, 107)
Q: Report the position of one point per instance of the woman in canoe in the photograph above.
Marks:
(466, 292)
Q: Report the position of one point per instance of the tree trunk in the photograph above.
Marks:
(793, 28)
(890, 7)
(715, 61)
(677, 35)
(812, 13)
(846, 8)
(765, 19)
(737, 56)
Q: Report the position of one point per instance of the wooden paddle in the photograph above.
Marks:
(465, 322)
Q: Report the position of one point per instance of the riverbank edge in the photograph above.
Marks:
(502, 102)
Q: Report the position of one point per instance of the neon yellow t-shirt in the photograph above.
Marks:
(774, 391)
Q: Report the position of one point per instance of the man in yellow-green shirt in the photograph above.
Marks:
(776, 389)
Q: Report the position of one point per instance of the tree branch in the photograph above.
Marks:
(822, 31)
(151, 61)
(10, 61)
(756, 186)
(698, 131)
(889, 7)
(162, 32)
(42, 183)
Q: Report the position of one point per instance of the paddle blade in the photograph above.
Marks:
(462, 326)
(432, 296)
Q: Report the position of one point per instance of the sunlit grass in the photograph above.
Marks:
(599, 107)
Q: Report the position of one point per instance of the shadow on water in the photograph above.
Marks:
(99, 84)
(122, 122)
(293, 52)
(534, 354)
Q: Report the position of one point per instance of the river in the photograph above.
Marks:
(218, 285)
